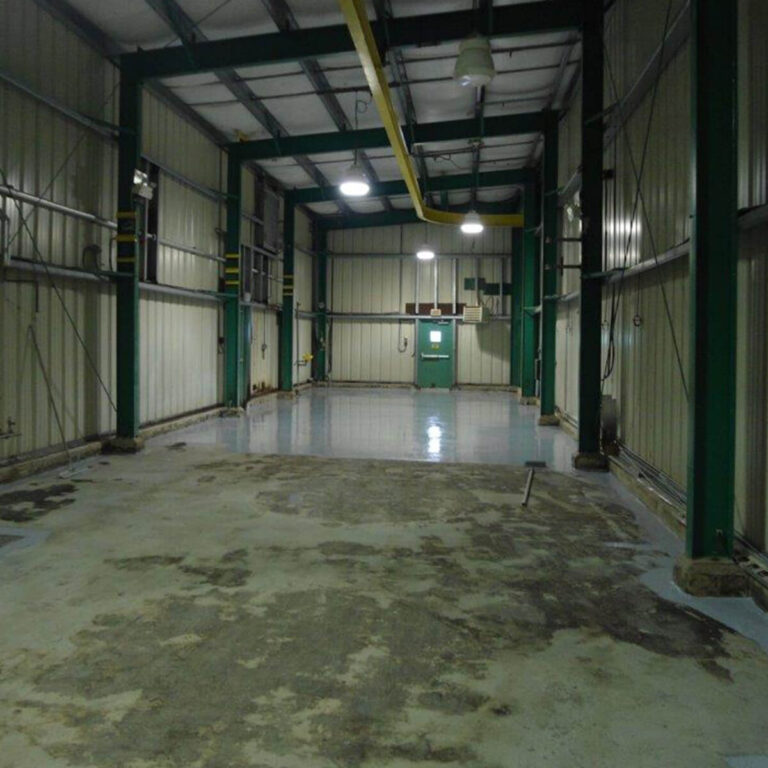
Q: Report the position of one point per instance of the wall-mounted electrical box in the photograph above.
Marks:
(475, 315)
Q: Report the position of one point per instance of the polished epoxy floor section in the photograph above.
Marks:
(427, 425)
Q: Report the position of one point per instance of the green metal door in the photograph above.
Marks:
(434, 367)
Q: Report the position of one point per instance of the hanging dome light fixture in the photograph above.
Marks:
(472, 224)
(425, 253)
(474, 67)
(354, 182)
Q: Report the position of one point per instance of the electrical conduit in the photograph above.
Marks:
(365, 44)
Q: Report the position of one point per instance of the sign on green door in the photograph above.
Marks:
(434, 367)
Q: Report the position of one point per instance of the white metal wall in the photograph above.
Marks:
(47, 154)
(35, 142)
(265, 350)
(646, 379)
(302, 282)
(386, 276)
(180, 359)
(265, 331)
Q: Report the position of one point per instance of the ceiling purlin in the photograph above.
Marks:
(283, 17)
(182, 25)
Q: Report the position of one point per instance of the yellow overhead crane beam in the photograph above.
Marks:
(362, 36)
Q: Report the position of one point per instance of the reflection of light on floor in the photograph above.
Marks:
(434, 433)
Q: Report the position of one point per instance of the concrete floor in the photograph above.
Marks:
(197, 606)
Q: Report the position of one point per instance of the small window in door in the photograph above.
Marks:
(435, 337)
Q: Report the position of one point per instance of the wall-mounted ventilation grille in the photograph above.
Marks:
(476, 314)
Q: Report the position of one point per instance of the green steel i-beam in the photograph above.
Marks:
(371, 138)
(406, 215)
(592, 234)
(321, 304)
(530, 259)
(127, 288)
(516, 325)
(233, 395)
(286, 318)
(548, 275)
(713, 280)
(449, 182)
(320, 42)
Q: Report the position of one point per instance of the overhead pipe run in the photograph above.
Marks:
(365, 44)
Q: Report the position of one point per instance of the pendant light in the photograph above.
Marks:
(425, 252)
(474, 67)
(472, 225)
(354, 182)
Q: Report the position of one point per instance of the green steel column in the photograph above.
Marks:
(713, 283)
(321, 304)
(127, 289)
(516, 326)
(589, 456)
(530, 259)
(286, 318)
(548, 275)
(233, 395)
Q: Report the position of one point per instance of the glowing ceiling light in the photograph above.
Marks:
(425, 253)
(472, 224)
(354, 183)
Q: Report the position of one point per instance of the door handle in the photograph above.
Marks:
(435, 357)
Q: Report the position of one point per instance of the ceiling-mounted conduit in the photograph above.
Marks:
(365, 44)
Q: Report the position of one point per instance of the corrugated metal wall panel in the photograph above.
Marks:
(266, 350)
(407, 238)
(367, 350)
(567, 366)
(646, 380)
(483, 353)
(179, 356)
(179, 145)
(302, 332)
(752, 390)
(187, 218)
(180, 361)
(753, 110)
(35, 142)
(569, 140)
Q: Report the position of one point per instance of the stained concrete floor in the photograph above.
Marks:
(194, 606)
